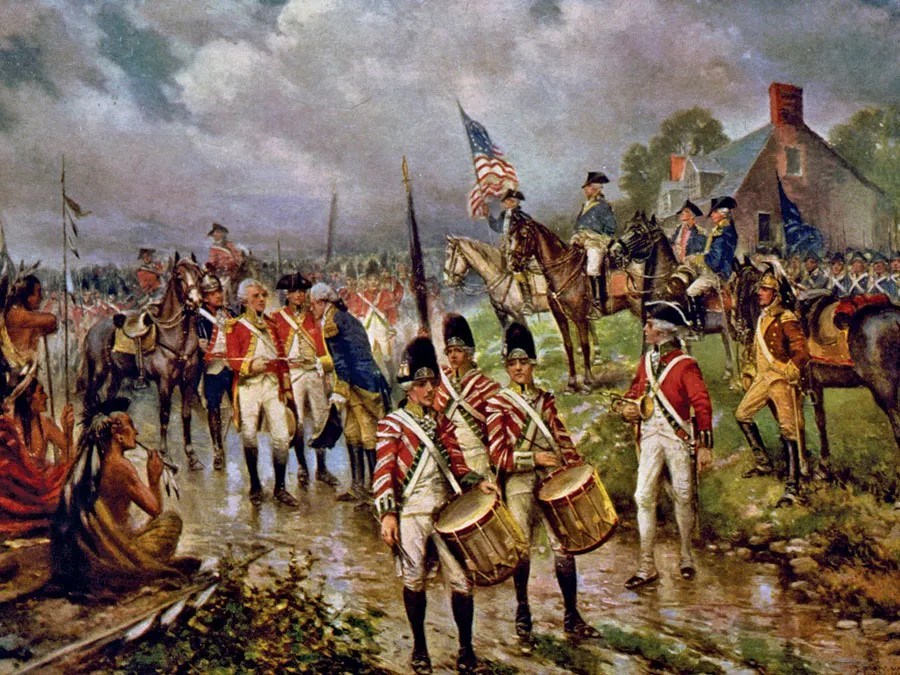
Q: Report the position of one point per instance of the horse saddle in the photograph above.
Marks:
(133, 332)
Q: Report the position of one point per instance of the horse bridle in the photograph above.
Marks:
(184, 315)
(454, 279)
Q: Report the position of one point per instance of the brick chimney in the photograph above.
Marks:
(676, 167)
(786, 104)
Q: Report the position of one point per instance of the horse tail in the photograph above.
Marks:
(85, 372)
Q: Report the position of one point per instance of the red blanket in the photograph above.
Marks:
(29, 493)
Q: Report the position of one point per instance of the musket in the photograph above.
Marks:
(420, 288)
(332, 221)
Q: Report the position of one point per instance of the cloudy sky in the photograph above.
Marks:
(173, 114)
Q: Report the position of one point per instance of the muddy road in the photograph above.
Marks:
(730, 605)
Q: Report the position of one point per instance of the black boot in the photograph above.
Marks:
(574, 625)
(349, 496)
(370, 463)
(250, 456)
(302, 469)
(323, 475)
(792, 489)
(214, 417)
(763, 465)
(414, 602)
(463, 612)
(595, 291)
(523, 611)
(282, 496)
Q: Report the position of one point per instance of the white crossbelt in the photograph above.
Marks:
(656, 383)
(535, 417)
(416, 428)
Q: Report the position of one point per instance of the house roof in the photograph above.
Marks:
(738, 158)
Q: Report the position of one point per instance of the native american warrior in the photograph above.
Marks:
(419, 462)
(94, 547)
(526, 439)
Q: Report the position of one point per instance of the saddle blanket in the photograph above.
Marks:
(126, 345)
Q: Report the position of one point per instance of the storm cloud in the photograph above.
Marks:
(172, 115)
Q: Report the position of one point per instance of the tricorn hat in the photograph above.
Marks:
(457, 332)
(721, 203)
(837, 257)
(690, 206)
(595, 178)
(293, 282)
(518, 343)
(217, 226)
(419, 362)
(668, 312)
(812, 255)
(878, 256)
(143, 251)
(512, 193)
(210, 283)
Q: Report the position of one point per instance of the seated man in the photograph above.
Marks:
(595, 227)
(94, 544)
(713, 266)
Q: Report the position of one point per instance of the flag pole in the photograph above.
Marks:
(462, 114)
(332, 218)
(65, 318)
(420, 288)
(278, 256)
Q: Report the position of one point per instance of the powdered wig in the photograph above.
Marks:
(322, 291)
(246, 285)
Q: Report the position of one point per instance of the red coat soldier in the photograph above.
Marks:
(149, 274)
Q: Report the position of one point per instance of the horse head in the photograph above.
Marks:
(637, 241)
(455, 264)
(746, 278)
(186, 274)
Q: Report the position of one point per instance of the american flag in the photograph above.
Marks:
(493, 174)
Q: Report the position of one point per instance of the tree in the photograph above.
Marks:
(870, 141)
(687, 132)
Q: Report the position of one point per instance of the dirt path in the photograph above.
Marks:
(730, 606)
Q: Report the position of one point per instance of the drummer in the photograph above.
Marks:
(419, 462)
(667, 439)
(464, 391)
(524, 450)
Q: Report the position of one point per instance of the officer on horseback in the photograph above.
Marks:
(688, 239)
(713, 266)
(512, 217)
(595, 227)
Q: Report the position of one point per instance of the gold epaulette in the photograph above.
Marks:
(230, 323)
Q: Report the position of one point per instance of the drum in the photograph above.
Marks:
(578, 509)
(480, 532)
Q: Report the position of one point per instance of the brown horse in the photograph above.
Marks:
(174, 362)
(569, 289)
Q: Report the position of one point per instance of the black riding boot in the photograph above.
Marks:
(281, 494)
(214, 418)
(463, 612)
(349, 495)
(250, 456)
(302, 469)
(763, 466)
(597, 291)
(322, 472)
(415, 604)
(792, 488)
(523, 611)
(370, 462)
(573, 624)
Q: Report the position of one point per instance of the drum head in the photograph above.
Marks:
(464, 511)
(565, 482)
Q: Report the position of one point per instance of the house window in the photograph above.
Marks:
(765, 227)
(793, 162)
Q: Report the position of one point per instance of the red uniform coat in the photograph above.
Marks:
(480, 389)
(225, 259)
(150, 277)
(507, 424)
(310, 329)
(240, 345)
(398, 452)
(683, 387)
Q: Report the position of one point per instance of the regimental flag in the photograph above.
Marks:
(800, 238)
(72, 211)
(493, 174)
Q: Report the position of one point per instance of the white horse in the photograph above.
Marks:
(464, 254)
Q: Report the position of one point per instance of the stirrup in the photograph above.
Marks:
(140, 383)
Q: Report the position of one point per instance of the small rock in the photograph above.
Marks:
(812, 596)
(874, 626)
(800, 585)
(846, 624)
(712, 547)
(797, 547)
(743, 553)
(893, 629)
(804, 566)
(763, 529)
(758, 540)
(778, 547)
(724, 546)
